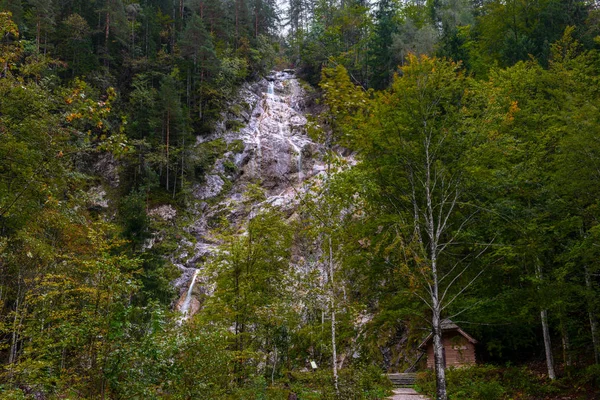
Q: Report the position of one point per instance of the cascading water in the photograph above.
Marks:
(277, 154)
(299, 162)
(185, 306)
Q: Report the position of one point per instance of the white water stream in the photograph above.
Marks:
(185, 306)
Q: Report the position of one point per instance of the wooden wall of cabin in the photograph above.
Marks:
(459, 351)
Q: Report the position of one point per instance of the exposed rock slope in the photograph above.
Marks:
(261, 140)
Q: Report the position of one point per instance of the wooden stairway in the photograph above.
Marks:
(402, 379)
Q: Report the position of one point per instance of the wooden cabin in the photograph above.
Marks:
(459, 347)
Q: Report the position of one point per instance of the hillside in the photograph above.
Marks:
(221, 199)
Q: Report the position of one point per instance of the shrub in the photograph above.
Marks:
(486, 382)
(590, 377)
(356, 382)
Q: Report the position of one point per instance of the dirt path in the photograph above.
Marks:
(406, 394)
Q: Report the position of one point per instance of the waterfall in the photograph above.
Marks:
(185, 306)
(299, 166)
(277, 154)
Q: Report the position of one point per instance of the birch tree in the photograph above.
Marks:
(424, 133)
(413, 141)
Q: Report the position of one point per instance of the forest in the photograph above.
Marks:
(251, 199)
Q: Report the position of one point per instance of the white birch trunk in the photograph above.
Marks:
(12, 355)
(434, 232)
(546, 331)
(332, 304)
(547, 344)
(438, 356)
(438, 345)
(331, 271)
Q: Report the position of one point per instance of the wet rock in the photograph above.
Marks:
(271, 150)
(182, 282)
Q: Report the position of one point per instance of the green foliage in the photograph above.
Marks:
(491, 382)
(207, 154)
(589, 377)
(132, 212)
(170, 361)
(513, 124)
(357, 382)
(69, 308)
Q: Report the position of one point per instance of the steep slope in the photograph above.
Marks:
(272, 151)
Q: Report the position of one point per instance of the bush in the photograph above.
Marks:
(590, 377)
(486, 382)
(357, 382)
(206, 155)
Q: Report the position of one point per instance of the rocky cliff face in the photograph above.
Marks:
(261, 140)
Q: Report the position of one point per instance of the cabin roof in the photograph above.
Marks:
(448, 326)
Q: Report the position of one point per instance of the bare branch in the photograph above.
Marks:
(456, 234)
(461, 273)
(424, 300)
(442, 225)
(471, 307)
(453, 268)
(465, 288)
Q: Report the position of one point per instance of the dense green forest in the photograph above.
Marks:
(457, 145)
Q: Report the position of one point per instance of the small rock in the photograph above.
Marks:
(97, 198)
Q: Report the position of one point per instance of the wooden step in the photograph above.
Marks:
(402, 379)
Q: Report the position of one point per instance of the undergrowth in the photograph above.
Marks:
(488, 382)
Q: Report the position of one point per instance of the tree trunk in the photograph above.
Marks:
(546, 331)
(566, 344)
(182, 161)
(438, 355)
(592, 317)
(332, 304)
(188, 89)
(167, 148)
(107, 26)
(200, 91)
(433, 232)
(236, 23)
(547, 344)
(274, 367)
(38, 34)
(438, 345)
(106, 32)
(12, 355)
(256, 10)
(175, 180)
